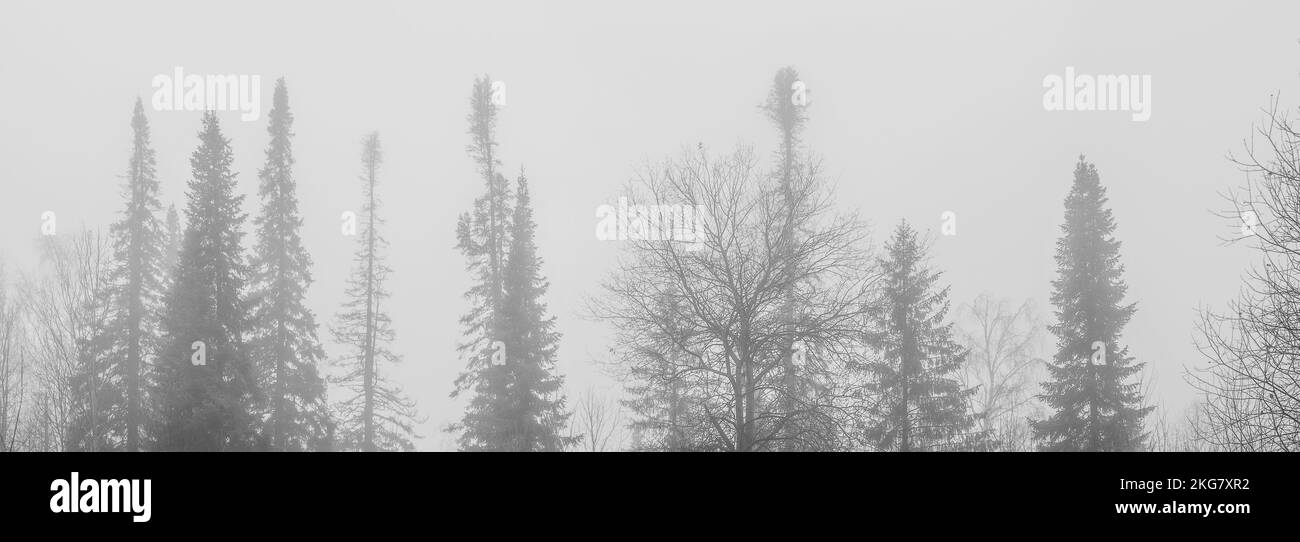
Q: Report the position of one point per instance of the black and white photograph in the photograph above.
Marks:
(616, 230)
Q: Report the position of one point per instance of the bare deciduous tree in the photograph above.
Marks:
(64, 310)
(1176, 432)
(13, 368)
(598, 421)
(1004, 341)
(1251, 382)
(703, 318)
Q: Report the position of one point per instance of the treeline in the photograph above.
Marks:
(763, 319)
(778, 327)
(166, 335)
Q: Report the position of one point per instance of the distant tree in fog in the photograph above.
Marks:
(1096, 405)
(510, 340)
(482, 236)
(1003, 365)
(919, 402)
(65, 312)
(282, 338)
(376, 415)
(128, 343)
(787, 111)
(597, 423)
(208, 395)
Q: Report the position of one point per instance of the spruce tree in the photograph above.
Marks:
(283, 342)
(207, 387)
(518, 404)
(138, 278)
(122, 347)
(919, 402)
(375, 415)
(789, 118)
(1096, 407)
(483, 238)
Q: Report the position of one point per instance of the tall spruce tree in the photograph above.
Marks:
(920, 404)
(483, 238)
(283, 342)
(138, 279)
(789, 117)
(376, 415)
(1096, 407)
(116, 379)
(207, 386)
(518, 404)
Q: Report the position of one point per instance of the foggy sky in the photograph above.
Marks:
(916, 110)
